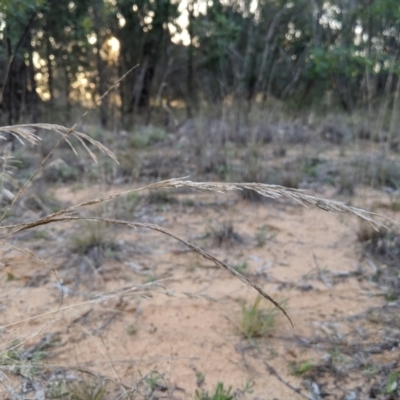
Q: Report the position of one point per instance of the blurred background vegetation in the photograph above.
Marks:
(59, 56)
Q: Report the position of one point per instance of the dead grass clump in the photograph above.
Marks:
(93, 240)
(334, 131)
(377, 171)
(346, 182)
(253, 171)
(157, 165)
(264, 134)
(364, 131)
(41, 202)
(87, 388)
(279, 151)
(294, 133)
(130, 166)
(366, 233)
(160, 198)
(125, 207)
(384, 247)
(212, 161)
(224, 235)
(290, 179)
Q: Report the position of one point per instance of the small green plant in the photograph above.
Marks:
(25, 362)
(370, 370)
(337, 356)
(150, 136)
(131, 329)
(138, 142)
(160, 198)
(153, 379)
(310, 166)
(200, 379)
(249, 387)
(394, 203)
(256, 321)
(220, 393)
(42, 235)
(263, 234)
(392, 382)
(301, 368)
(189, 202)
(10, 277)
(346, 182)
(391, 296)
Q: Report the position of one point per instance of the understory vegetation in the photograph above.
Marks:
(94, 244)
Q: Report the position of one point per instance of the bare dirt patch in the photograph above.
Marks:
(181, 316)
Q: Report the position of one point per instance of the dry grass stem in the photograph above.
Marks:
(94, 298)
(271, 191)
(27, 132)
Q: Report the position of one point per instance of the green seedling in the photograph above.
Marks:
(301, 368)
(257, 321)
(220, 393)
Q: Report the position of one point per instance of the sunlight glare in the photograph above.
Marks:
(114, 44)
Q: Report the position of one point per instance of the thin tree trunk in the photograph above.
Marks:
(267, 50)
(50, 72)
(33, 103)
(190, 95)
(67, 95)
(394, 116)
(100, 69)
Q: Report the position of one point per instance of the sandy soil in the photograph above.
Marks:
(180, 315)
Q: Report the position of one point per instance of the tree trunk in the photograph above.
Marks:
(100, 69)
(50, 72)
(190, 95)
(67, 95)
(33, 97)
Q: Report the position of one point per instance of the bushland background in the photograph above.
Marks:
(303, 94)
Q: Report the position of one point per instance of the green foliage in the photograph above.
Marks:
(392, 382)
(310, 166)
(264, 234)
(301, 368)
(370, 370)
(220, 393)
(25, 362)
(150, 136)
(153, 380)
(237, 50)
